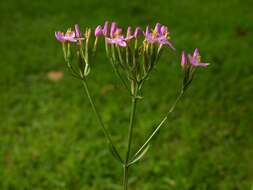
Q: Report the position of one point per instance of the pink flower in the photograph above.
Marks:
(116, 37)
(78, 32)
(98, 31)
(106, 28)
(183, 59)
(195, 59)
(119, 41)
(192, 60)
(158, 27)
(137, 32)
(129, 35)
(69, 36)
(113, 29)
(159, 35)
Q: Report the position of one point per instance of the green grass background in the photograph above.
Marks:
(49, 138)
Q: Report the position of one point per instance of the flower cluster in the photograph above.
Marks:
(189, 63)
(133, 53)
(114, 35)
(82, 41)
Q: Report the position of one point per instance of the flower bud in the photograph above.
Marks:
(78, 32)
(129, 31)
(137, 32)
(60, 36)
(158, 28)
(106, 28)
(146, 33)
(113, 29)
(196, 53)
(164, 30)
(98, 31)
(183, 59)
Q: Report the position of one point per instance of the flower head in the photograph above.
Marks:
(78, 32)
(106, 28)
(183, 59)
(159, 35)
(137, 32)
(69, 36)
(98, 31)
(129, 31)
(116, 36)
(158, 27)
(119, 41)
(129, 35)
(193, 60)
(113, 29)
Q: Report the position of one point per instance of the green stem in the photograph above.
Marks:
(129, 141)
(159, 125)
(99, 119)
(125, 177)
(130, 130)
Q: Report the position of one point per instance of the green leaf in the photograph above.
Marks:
(115, 154)
(137, 157)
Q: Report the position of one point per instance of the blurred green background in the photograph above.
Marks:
(49, 138)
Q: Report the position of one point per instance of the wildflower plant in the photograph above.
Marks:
(133, 56)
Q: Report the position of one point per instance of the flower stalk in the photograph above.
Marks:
(99, 119)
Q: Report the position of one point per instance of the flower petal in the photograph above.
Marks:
(203, 64)
(78, 32)
(164, 30)
(110, 41)
(113, 29)
(122, 43)
(196, 53)
(59, 36)
(129, 31)
(158, 28)
(106, 28)
(137, 32)
(183, 59)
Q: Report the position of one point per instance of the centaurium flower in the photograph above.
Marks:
(133, 65)
(158, 27)
(129, 35)
(106, 28)
(113, 29)
(120, 40)
(159, 35)
(116, 37)
(194, 60)
(78, 34)
(183, 59)
(99, 31)
(137, 32)
(69, 36)
(78, 31)
(189, 63)
(129, 31)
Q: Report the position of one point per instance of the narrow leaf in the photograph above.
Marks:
(137, 157)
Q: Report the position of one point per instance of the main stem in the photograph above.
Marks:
(129, 142)
(125, 177)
